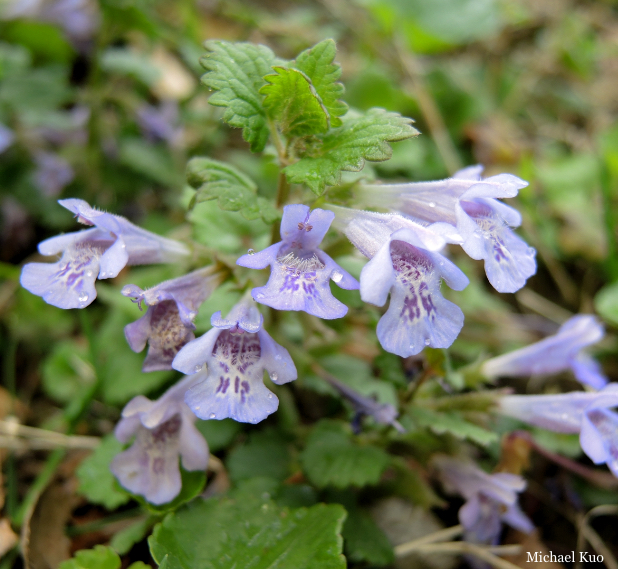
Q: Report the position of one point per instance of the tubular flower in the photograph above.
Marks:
(471, 205)
(101, 252)
(588, 414)
(236, 352)
(300, 271)
(168, 323)
(382, 413)
(491, 499)
(555, 353)
(163, 431)
(405, 263)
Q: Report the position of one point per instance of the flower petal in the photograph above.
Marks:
(418, 315)
(137, 332)
(588, 371)
(193, 447)
(260, 260)
(378, 277)
(69, 283)
(192, 357)
(276, 360)
(114, 260)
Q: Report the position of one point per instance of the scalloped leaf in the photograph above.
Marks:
(233, 190)
(236, 74)
(317, 63)
(331, 458)
(249, 530)
(291, 99)
(360, 138)
(453, 424)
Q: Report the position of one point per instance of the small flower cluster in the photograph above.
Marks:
(224, 367)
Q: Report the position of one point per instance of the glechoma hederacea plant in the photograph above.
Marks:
(294, 110)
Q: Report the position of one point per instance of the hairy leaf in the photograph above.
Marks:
(317, 63)
(293, 102)
(265, 454)
(365, 541)
(453, 424)
(233, 190)
(248, 530)
(236, 74)
(331, 458)
(100, 557)
(360, 138)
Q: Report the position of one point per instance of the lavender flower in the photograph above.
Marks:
(168, 323)
(160, 123)
(7, 136)
(300, 275)
(491, 499)
(555, 353)
(102, 252)
(469, 203)
(163, 430)
(383, 413)
(577, 412)
(404, 262)
(52, 173)
(236, 352)
(78, 18)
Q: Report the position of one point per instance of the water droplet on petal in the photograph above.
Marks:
(278, 356)
(259, 295)
(432, 204)
(198, 368)
(270, 396)
(251, 251)
(83, 297)
(212, 415)
(336, 276)
(427, 341)
(88, 273)
(102, 275)
(123, 246)
(274, 376)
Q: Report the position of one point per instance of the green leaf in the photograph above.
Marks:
(129, 62)
(96, 481)
(247, 531)
(236, 74)
(451, 423)
(606, 303)
(266, 454)
(126, 538)
(234, 190)
(100, 557)
(331, 458)
(219, 434)
(365, 541)
(360, 138)
(293, 102)
(317, 64)
(66, 371)
(148, 160)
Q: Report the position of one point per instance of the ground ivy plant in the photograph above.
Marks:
(349, 414)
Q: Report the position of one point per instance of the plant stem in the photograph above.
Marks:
(73, 418)
(11, 467)
(611, 222)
